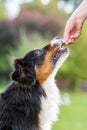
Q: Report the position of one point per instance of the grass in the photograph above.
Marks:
(73, 117)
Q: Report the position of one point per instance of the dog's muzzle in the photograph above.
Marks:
(57, 40)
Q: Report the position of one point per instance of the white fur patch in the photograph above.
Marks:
(50, 104)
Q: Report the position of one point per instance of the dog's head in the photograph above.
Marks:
(39, 64)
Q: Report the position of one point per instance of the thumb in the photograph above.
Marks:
(66, 36)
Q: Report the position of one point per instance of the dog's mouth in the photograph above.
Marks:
(58, 54)
(59, 51)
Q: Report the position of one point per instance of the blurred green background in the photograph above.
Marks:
(28, 24)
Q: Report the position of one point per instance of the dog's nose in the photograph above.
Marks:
(57, 40)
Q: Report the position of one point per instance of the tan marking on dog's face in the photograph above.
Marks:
(44, 71)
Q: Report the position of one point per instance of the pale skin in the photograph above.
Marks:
(74, 25)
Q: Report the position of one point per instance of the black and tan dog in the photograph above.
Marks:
(31, 101)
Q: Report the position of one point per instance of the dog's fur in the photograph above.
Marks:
(31, 101)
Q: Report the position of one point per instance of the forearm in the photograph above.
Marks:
(81, 11)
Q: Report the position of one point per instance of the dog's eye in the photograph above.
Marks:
(38, 52)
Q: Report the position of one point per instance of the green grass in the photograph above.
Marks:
(73, 117)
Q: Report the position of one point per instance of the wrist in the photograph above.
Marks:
(82, 10)
(85, 1)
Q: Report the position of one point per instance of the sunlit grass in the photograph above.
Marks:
(73, 117)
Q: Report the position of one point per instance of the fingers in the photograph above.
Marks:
(72, 32)
(66, 38)
(69, 41)
(75, 34)
(66, 34)
(70, 37)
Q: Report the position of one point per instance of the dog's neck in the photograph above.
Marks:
(50, 104)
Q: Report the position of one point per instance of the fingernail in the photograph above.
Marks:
(66, 43)
(71, 36)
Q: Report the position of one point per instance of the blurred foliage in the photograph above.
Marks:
(36, 21)
(8, 41)
(37, 5)
(28, 43)
(8, 37)
(75, 3)
(2, 11)
(51, 7)
(79, 54)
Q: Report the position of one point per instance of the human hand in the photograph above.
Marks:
(72, 30)
(74, 24)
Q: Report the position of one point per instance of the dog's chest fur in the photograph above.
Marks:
(50, 105)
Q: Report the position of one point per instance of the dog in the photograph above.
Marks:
(32, 100)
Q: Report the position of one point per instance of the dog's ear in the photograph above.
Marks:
(19, 73)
